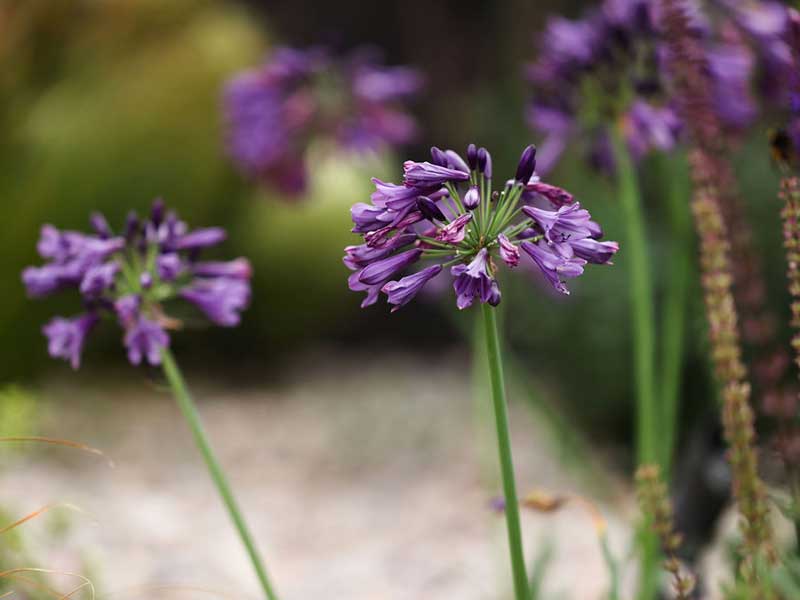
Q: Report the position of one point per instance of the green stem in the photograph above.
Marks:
(648, 428)
(674, 316)
(189, 410)
(504, 448)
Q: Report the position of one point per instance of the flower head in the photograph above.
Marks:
(132, 277)
(428, 218)
(275, 111)
(607, 69)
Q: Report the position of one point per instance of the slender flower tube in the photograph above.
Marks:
(428, 218)
(689, 71)
(132, 278)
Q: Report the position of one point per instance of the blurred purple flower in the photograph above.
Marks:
(131, 277)
(274, 112)
(65, 337)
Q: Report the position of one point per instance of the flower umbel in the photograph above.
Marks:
(445, 212)
(275, 111)
(130, 278)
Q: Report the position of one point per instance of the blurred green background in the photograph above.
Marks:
(106, 105)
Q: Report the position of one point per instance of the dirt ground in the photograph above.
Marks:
(363, 479)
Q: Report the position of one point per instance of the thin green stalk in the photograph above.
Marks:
(648, 428)
(189, 410)
(504, 448)
(673, 323)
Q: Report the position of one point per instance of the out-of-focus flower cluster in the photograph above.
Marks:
(129, 276)
(467, 229)
(275, 111)
(607, 69)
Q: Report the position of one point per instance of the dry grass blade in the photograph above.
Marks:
(58, 442)
(39, 512)
(86, 582)
(541, 501)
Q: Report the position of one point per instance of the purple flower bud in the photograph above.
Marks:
(381, 271)
(428, 174)
(169, 266)
(145, 339)
(127, 309)
(402, 292)
(100, 225)
(157, 212)
(201, 238)
(131, 226)
(593, 251)
(358, 257)
(473, 280)
(65, 337)
(527, 164)
(485, 162)
(455, 231)
(438, 157)
(221, 298)
(429, 209)
(472, 198)
(454, 161)
(508, 251)
(238, 268)
(98, 279)
(146, 280)
(366, 217)
(472, 157)
(553, 266)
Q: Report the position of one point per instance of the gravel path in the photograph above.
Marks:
(362, 481)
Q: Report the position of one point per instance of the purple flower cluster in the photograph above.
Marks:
(607, 69)
(130, 276)
(275, 111)
(445, 212)
(793, 128)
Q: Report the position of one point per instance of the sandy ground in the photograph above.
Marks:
(363, 480)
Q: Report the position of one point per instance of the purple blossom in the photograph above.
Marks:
(399, 293)
(220, 298)
(145, 340)
(405, 224)
(382, 270)
(455, 231)
(554, 267)
(238, 268)
(131, 277)
(429, 174)
(169, 266)
(201, 238)
(99, 278)
(474, 281)
(275, 112)
(127, 309)
(65, 337)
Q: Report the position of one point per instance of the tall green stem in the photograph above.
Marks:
(648, 442)
(189, 411)
(675, 179)
(504, 447)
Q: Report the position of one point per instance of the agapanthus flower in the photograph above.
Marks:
(274, 112)
(130, 278)
(607, 69)
(426, 219)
